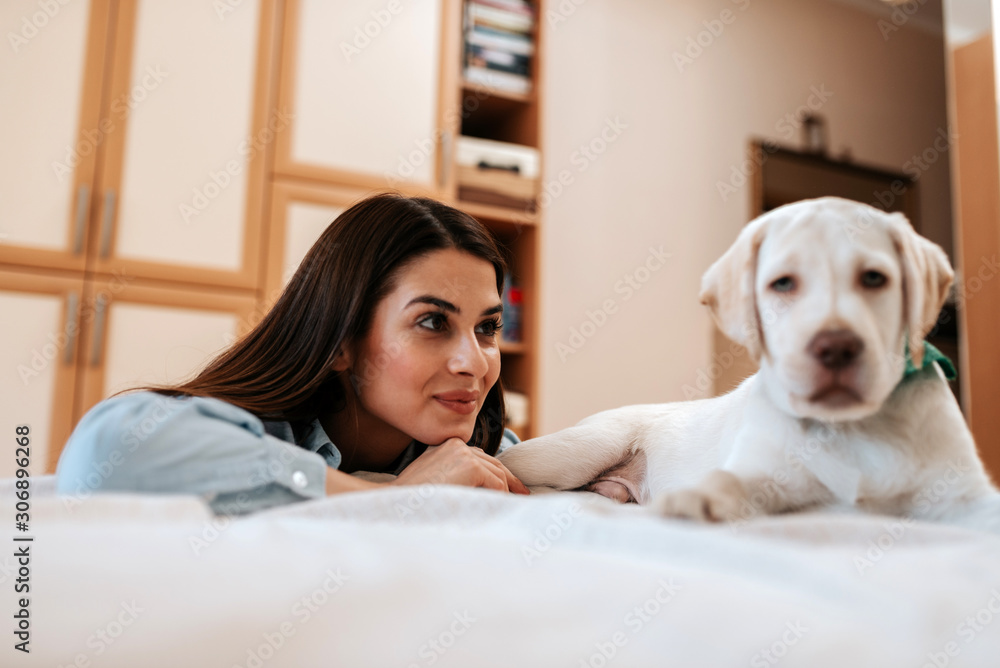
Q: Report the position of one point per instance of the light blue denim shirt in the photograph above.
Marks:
(149, 442)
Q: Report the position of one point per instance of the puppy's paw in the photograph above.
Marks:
(719, 498)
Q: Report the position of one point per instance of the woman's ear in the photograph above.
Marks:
(344, 359)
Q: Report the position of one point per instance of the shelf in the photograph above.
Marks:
(513, 348)
(498, 214)
(493, 113)
(484, 93)
(490, 113)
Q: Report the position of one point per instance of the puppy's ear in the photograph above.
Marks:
(927, 278)
(727, 288)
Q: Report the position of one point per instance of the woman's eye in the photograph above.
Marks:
(433, 321)
(783, 284)
(873, 279)
(489, 327)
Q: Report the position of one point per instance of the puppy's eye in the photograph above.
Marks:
(783, 284)
(873, 279)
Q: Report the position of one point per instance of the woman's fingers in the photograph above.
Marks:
(513, 484)
(455, 462)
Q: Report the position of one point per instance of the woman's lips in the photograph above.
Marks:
(463, 402)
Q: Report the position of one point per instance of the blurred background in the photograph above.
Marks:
(165, 166)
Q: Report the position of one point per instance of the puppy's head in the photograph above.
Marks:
(826, 294)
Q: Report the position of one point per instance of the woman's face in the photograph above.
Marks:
(431, 356)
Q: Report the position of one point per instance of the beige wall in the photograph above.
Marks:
(669, 137)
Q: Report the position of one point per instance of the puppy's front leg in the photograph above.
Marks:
(719, 498)
(570, 458)
(724, 496)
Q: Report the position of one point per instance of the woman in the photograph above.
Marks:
(380, 355)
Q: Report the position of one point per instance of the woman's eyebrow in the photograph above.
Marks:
(496, 309)
(445, 305)
(434, 301)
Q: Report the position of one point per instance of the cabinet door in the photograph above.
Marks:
(181, 192)
(299, 215)
(363, 82)
(976, 164)
(151, 336)
(50, 128)
(42, 320)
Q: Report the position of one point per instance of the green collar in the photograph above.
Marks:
(931, 355)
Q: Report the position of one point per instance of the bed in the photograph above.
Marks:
(453, 576)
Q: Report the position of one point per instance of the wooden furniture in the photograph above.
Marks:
(976, 182)
(785, 175)
(169, 164)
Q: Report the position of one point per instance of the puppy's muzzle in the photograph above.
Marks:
(836, 349)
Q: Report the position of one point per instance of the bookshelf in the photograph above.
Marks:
(506, 35)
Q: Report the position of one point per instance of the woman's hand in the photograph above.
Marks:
(453, 462)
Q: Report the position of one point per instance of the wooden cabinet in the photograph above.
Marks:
(137, 140)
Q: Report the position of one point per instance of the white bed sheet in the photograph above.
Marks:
(451, 576)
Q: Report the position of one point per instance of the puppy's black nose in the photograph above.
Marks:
(836, 349)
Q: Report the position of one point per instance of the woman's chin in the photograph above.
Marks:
(439, 435)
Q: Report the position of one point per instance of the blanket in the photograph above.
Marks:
(453, 576)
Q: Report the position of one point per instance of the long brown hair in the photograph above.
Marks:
(283, 368)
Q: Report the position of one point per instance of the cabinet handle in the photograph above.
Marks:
(71, 328)
(82, 206)
(108, 223)
(96, 344)
(445, 164)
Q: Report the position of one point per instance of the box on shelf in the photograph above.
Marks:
(498, 173)
(518, 410)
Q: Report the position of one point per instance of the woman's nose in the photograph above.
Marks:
(467, 356)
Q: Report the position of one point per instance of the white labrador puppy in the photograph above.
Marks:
(827, 295)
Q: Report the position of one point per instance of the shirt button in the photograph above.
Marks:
(299, 479)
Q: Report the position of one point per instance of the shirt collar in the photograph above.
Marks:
(313, 437)
(315, 440)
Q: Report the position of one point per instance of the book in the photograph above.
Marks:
(500, 40)
(516, 6)
(503, 19)
(494, 79)
(512, 300)
(501, 61)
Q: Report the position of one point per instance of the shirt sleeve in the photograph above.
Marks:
(148, 442)
(509, 439)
